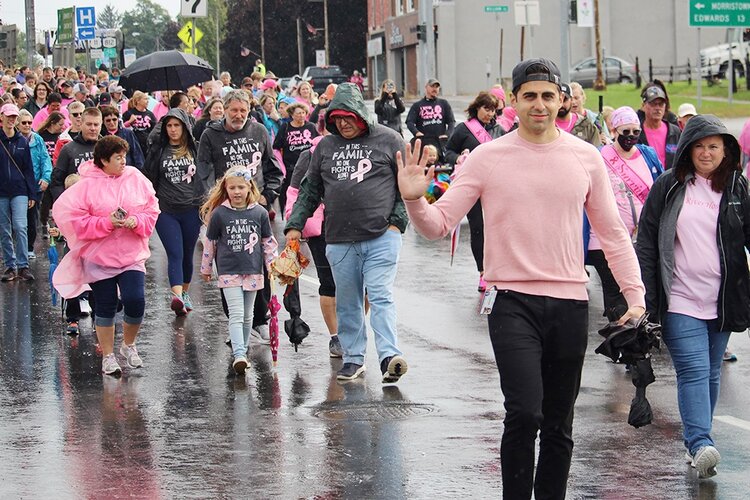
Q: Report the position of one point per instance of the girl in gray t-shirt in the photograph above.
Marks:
(239, 238)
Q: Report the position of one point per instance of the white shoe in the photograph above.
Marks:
(705, 461)
(239, 365)
(261, 334)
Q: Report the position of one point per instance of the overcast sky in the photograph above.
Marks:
(46, 10)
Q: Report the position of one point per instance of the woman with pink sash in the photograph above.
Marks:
(480, 127)
(632, 170)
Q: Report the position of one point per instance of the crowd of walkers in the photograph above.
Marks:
(547, 185)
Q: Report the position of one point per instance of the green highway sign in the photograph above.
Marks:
(65, 23)
(721, 14)
(496, 8)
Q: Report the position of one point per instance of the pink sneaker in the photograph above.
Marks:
(178, 306)
(482, 284)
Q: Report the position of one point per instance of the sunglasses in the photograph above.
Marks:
(76, 115)
(628, 131)
(25, 123)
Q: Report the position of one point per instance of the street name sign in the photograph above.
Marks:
(719, 14)
(496, 8)
(65, 25)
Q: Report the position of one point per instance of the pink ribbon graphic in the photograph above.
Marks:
(251, 244)
(363, 167)
(189, 174)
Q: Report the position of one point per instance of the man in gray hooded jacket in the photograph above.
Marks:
(355, 169)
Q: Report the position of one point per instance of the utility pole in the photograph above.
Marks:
(564, 49)
(300, 58)
(30, 33)
(599, 83)
(426, 69)
(325, 28)
(263, 35)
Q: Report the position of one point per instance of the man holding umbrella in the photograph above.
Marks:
(534, 185)
(233, 141)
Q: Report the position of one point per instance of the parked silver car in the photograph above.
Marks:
(614, 70)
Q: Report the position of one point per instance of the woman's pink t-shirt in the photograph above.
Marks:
(697, 266)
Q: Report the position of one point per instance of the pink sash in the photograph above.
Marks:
(632, 180)
(476, 128)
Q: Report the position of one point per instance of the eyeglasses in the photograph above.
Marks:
(628, 131)
(76, 115)
(25, 123)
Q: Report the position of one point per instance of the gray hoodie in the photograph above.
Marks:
(220, 149)
(70, 158)
(357, 177)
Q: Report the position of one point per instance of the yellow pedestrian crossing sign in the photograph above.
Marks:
(185, 34)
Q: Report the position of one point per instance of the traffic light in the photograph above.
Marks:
(3, 40)
(422, 32)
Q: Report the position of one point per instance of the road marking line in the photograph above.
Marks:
(309, 279)
(737, 422)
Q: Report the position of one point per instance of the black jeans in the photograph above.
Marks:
(539, 345)
(32, 216)
(476, 229)
(615, 304)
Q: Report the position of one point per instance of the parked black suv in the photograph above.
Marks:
(320, 76)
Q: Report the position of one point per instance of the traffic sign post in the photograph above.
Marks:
(86, 22)
(190, 35)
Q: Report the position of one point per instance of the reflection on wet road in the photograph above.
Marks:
(185, 426)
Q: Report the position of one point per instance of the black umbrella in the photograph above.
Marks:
(631, 343)
(166, 70)
(295, 327)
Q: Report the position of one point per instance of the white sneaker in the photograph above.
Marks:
(32, 255)
(130, 353)
(261, 334)
(240, 364)
(85, 307)
(110, 366)
(705, 461)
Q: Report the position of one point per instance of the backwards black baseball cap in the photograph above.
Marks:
(535, 70)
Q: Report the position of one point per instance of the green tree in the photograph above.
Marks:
(109, 18)
(206, 48)
(143, 27)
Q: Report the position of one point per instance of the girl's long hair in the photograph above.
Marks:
(53, 117)
(183, 149)
(218, 193)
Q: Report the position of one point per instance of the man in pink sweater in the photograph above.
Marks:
(534, 185)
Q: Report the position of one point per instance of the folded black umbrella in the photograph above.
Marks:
(631, 343)
(165, 70)
(294, 327)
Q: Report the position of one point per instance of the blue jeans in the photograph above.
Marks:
(240, 304)
(13, 221)
(178, 233)
(696, 347)
(367, 265)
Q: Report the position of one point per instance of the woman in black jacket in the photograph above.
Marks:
(692, 235)
(479, 128)
(389, 106)
(170, 166)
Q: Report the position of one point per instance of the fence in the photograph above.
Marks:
(670, 73)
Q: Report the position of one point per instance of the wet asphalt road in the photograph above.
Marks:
(185, 427)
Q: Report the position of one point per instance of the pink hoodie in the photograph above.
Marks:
(97, 250)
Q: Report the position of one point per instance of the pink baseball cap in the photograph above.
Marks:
(9, 109)
(268, 84)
